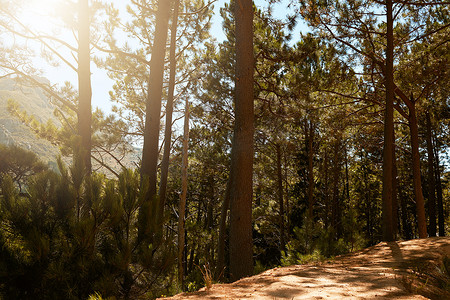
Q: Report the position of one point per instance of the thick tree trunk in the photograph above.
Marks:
(431, 180)
(152, 120)
(280, 196)
(440, 205)
(84, 84)
(241, 245)
(182, 204)
(420, 203)
(169, 112)
(388, 160)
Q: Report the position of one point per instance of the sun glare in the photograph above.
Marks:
(41, 15)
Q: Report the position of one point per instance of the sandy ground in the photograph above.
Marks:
(396, 270)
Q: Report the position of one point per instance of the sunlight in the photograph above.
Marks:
(42, 15)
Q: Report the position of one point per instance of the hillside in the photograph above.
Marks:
(36, 103)
(12, 131)
(398, 270)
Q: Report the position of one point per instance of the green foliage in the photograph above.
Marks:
(19, 164)
(315, 243)
(73, 235)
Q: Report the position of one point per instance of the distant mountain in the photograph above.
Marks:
(36, 103)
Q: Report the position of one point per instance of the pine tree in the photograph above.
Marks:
(241, 190)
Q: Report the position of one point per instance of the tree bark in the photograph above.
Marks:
(414, 132)
(152, 120)
(84, 113)
(182, 204)
(169, 112)
(431, 180)
(388, 161)
(420, 203)
(241, 252)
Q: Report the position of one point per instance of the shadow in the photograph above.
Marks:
(396, 251)
(375, 272)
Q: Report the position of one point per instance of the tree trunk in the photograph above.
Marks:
(388, 161)
(152, 120)
(335, 216)
(326, 192)
(347, 183)
(280, 196)
(241, 252)
(222, 231)
(431, 180)
(286, 192)
(182, 204)
(84, 113)
(367, 202)
(310, 137)
(406, 226)
(395, 190)
(440, 205)
(420, 203)
(169, 112)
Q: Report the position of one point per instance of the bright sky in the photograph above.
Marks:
(101, 84)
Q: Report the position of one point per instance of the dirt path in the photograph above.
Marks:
(396, 270)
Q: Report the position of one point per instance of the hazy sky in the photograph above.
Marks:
(101, 84)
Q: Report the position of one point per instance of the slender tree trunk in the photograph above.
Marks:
(388, 161)
(327, 194)
(420, 203)
(367, 203)
(185, 252)
(280, 197)
(222, 231)
(169, 112)
(191, 257)
(440, 205)
(394, 195)
(286, 192)
(241, 244)
(152, 120)
(209, 223)
(335, 217)
(84, 83)
(407, 233)
(431, 180)
(310, 137)
(182, 204)
(347, 183)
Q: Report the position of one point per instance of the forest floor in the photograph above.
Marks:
(412, 269)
